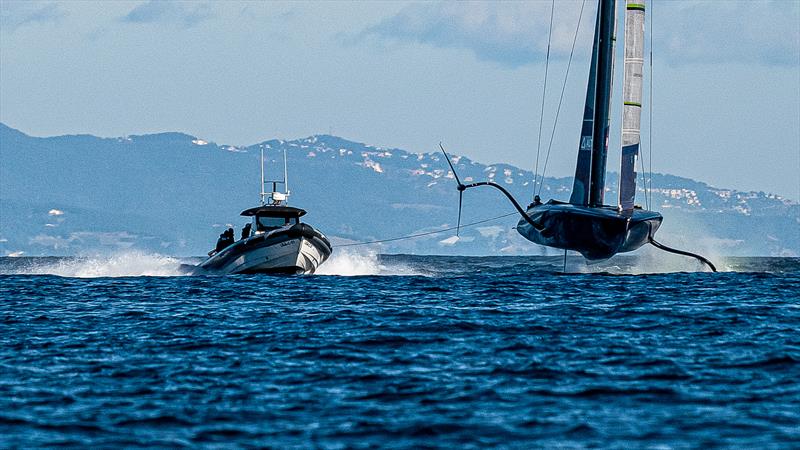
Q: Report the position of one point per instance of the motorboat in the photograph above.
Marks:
(275, 242)
(279, 244)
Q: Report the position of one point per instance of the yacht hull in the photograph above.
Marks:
(597, 232)
(299, 249)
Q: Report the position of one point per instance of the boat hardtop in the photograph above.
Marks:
(274, 211)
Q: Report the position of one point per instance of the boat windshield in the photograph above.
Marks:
(264, 223)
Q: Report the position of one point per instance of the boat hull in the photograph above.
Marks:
(299, 249)
(597, 233)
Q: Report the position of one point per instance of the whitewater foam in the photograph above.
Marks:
(650, 260)
(129, 263)
(134, 263)
(350, 263)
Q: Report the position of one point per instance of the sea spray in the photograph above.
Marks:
(128, 263)
(362, 263)
(646, 260)
(651, 260)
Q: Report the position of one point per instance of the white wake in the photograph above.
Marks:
(135, 263)
(350, 263)
(130, 263)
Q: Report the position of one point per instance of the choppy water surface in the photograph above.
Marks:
(425, 352)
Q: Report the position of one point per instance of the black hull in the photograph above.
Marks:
(288, 270)
(596, 233)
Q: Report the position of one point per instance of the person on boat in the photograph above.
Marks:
(221, 242)
(225, 239)
(536, 202)
(246, 230)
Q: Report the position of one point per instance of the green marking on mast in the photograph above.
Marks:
(635, 6)
(633, 104)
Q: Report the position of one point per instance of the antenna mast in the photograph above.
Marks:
(274, 196)
(285, 177)
(262, 193)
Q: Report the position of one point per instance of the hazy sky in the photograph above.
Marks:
(726, 77)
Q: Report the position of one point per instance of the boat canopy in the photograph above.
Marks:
(274, 211)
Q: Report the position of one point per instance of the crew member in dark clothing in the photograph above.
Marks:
(536, 202)
(225, 239)
(246, 230)
(222, 241)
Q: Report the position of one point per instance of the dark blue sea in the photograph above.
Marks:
(400, 352)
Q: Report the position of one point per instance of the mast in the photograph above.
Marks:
(583, 168)
(285, 177)
(632, 101)
(275, 196)
(590, 170)
(605, 57)
(262, 193)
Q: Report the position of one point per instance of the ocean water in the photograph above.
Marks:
(400, 352)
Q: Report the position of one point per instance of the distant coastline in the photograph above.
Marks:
(171, 192)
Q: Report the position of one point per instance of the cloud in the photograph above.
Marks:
(515, 33)
(17, 14)
(269, 11)
(512, 34)
(82, 239)
(761, 32)
(164, 11)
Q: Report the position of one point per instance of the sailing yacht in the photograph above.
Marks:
(586, 224)
(277, 241)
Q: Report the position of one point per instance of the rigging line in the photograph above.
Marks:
(428, 233)
(544, 94)
(649, 190)
(561, 98)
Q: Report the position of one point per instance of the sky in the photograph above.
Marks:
(725, 78)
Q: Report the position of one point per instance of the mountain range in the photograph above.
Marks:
(174, 193)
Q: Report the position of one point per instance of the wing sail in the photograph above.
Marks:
(632, 98)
